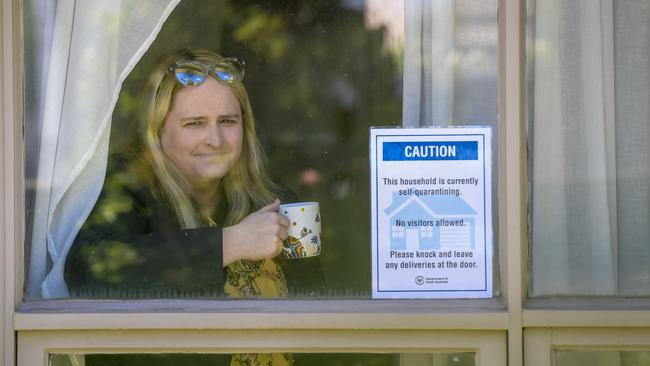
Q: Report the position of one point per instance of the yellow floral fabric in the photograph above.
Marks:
(263, 279)
(249, 279)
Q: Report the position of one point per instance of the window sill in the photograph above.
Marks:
(262, 314)
(587, 312)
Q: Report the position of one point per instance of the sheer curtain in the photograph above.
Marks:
(589, 106)
(90, 47)
(450, 63)
(451, 73)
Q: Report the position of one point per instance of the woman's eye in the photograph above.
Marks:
(193, 124)
(229, 121)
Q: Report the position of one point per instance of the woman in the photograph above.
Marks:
(198, 216)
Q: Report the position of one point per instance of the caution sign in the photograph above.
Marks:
(431, 212)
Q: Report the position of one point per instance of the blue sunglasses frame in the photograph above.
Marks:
(194, 73)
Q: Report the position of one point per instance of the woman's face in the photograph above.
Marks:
(203, 132)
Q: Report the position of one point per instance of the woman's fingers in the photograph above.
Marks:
(284, 221)
(280, 246)
(259, 236)
(271, 207)
(283, 233)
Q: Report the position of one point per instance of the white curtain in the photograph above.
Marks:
(450, 62)
(451, 72)
(589, 105)
(92, 46)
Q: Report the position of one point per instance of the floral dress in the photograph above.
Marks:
(263, 279)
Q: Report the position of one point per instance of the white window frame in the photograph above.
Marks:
(541, 344)
(11, 183)
(581, 324)
(35, 346)
(492, 328)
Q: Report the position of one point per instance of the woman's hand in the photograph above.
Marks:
(258, 236)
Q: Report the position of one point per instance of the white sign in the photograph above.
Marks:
(431, 212)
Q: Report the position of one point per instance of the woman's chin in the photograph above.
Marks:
(207, 180)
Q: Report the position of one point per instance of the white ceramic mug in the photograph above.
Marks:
(304, 229)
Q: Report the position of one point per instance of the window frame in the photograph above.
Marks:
(36, 327)
(35, 346)
(575, 324)
(11, 184)
(542, 343)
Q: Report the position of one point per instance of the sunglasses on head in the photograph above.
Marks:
(193, 73)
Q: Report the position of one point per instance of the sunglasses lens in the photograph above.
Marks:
(190, 74)
(229, 70)
(226, 76)
(188, 79)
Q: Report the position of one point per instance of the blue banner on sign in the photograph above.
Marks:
(430, 150)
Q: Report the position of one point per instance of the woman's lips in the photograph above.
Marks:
(211, 154)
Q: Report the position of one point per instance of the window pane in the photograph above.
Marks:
(602, 358)
(318, 75)
(451, 75)
(588, 108)
(137, 188)
(314, 359)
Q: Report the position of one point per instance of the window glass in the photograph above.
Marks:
(316, 359)
(598, 358)
(139, 186)
(317, 74)
(588, 92)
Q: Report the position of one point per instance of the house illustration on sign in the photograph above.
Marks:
(430, 222)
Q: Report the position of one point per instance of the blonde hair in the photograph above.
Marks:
(245, 188)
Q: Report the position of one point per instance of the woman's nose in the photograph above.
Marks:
(214, 137)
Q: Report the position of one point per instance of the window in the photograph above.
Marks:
(579, 346)
(623, 358)
(588, 119)
(443, 359)
(414, 331)
(313, 106)
(97, 229)
(451, 348)
(587, 76)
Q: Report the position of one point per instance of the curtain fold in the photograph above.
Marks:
(451, 73)
(413, 63)
(429, 67)
(571, 192)
(632, 110)
(589, 137)
(450, 63)
(90, 55)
